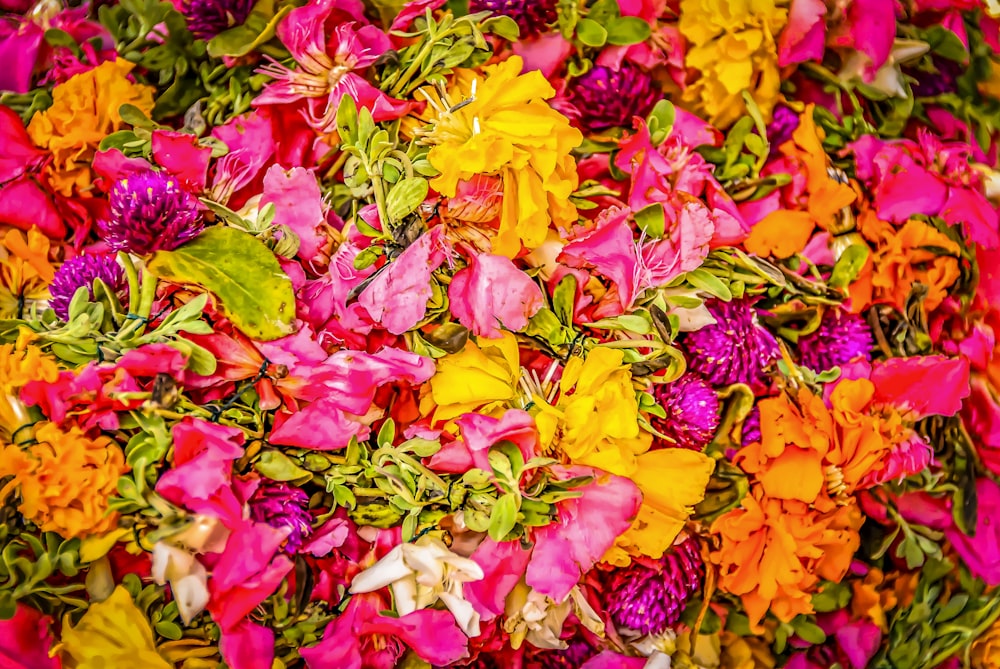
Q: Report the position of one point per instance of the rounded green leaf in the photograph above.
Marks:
(591, 33)
(252, 290)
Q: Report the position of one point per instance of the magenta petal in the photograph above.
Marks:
(332, 534)
(587, 527)
(975, 213)
(19, 49)
(803, 36)
(504, 564)
(19, 155)
(340, 646)
(873, 29)
(320, 426)
(859, 641)
(981, 551)
(247, 646)
(411, 10)
(432, 634)
(492, 293)
(25, 640)
(23, 204)
(479, 432)
(902, 382)
(298, 204)
(611, 251)
(612, 660)
(180, 154)
(907, 190)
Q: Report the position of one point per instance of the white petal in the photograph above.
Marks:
(465, 615)
(386, 571)
(191, 595)
(404, 595)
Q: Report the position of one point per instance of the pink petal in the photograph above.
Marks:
(19, 154)
(331, 535)
(981, 551)
(247, 646)
(480, 432)
(610, 250)
(504, 564)
(902, 382)
(412, 10)
(803, 36)
(432, 634)
(491, 293)
(25, 640)
(23, 204)
(20, 45)
(180, 154)
(298, 204)
(859, 641)
(612, 660)
(975, 213)
(321, 426)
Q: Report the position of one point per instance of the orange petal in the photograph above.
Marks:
(781, 234)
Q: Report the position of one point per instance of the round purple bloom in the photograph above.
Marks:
(735, 349)
(577, 652)
(945, 80)
(649, 596)
(532, 16)
(208, 18)
(784, 122)
(692, 411)
(81, 271)
(840, 338)
(608, 98)
(149, 211)
(280, 505)
(751, 427)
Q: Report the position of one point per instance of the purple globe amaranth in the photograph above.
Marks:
(81, 271)
(149, 211)
(840, 338)
(751, 427)
(735, 349)
(577, 652)
(531, 16)
(208, 18)
(784, 122)
(649, 596)
(692, 409)
(280, 505)
(607, 98)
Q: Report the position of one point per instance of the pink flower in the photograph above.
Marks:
(981, 415)
(329, 65)
(981, 551)
(803, 37)
(492, 293)
(902, 383)
(609, 659)
(247, 646)
(19, 155)
(478, 433)
(397, 296)
(298, 205)
(180, 154)
(870, 27)
(25, 640)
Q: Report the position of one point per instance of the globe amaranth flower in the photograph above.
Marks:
(80, 272)
(692, 409)
(735, 349)
(280, 505)
(532, 16)
(208, 18)
(649, 596)
(149, 211)
(608, 98)
(840, 338)
(576, 653)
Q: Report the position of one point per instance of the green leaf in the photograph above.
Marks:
(705, 280)
(832, 597)
(504, 516)
(809, 631)
(405, 197)
(627, 30)
(564, 299)
(651, 220)
(660, 121)
(255, 31)
(592, 33)
(849, 265)
(253, 291)
(502, 26)
(277, 466)
(347, 120)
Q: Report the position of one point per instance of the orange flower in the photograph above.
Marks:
(773, 553)
(64, 480)
(84, 111)
(785, 232)
(18, 366)
(915, 253)
(25, 271)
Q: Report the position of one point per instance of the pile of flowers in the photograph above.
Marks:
(499, 333)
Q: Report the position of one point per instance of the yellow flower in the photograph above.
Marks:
(65, 480)
(25, 271)
(112, 633)
(732, 45)
(986, 649)
(84, 111)
(18, 366)
(506, 128)
(595, 421)
(481, 377)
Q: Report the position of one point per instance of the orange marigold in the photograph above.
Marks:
(18, 366)
(773, 553)
(65, 479)
(25, 271)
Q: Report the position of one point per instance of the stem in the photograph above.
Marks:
(133, 281)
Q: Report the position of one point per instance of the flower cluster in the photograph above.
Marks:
(500, 333)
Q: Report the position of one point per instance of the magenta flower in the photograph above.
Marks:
(532, 16)
(149, 211)
(608, 98)
(282, 506)
(208, 18)
(840, 338)
(330, 58)
(491, 293)
(80, 272)
(25, 640)
(299, 205)
(692, 409)
(736, 349)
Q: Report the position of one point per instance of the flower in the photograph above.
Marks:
(532, 16)
(506, 128)
(491, 293)
(65, 479)
(533, 617)
(692, 409)
(773, 553)
(608, 98)
(736, 349)
(25, 640)
(282, 506)
(649, 596)
(112, 632)
(840, 338)
(19, 366)
(208, 18)
(482, 377)
(422, 573)
(149, 211)
(25, 271)
(985, 653)
(85, 110)
(80, 272)
(732, 45)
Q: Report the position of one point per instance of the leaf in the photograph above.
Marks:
(651, 220)
(705, 280)
(277, 466)
(255, 31)
(591, 33)
(849, 265)
(660, 121)
(502, 26)
(564, 300)
(504, 516)
(627, 30)
(405, 197)
(253, 291)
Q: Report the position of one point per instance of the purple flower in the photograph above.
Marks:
(649, 596)
(840, 338)
(609, 98)
(208, 18)
(751, 427)
(81, 271)
(149, 211)
(736, 349)
(692, 409)
(280, 505)
(577, 652)
(532, 16)
(784, 122)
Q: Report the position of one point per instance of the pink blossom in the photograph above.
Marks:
(901, 382)
(247, 645)
(870, 27)
(503, 564)
(478, 433)
(298, 205)
(25, 640)
(24, 203)
(981, 551)
(180, 154)
(803, 36)
(609, 659)
(19, 155)
(397, 296)
(492, 293)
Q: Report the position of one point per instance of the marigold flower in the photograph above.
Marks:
(25, 270)
(774, 552)
(65, 480)
(85, 110)
(111, 633)
(506, 128)
(986, 649)
(732, 45)
(18, 367)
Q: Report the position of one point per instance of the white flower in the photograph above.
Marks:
(539, 619)
(422, 573)
(187, 578)
(888, 78)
